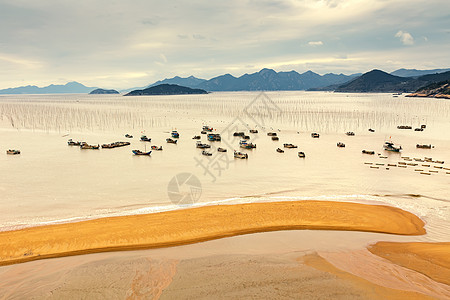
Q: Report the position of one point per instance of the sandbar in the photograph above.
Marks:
(185, 226)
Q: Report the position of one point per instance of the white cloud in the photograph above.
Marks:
(405, 37)
(318, 43)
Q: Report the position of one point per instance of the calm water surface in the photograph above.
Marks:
(52, 182)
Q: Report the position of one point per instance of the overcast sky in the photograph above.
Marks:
(123, 44)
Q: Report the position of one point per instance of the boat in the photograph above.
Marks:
(423, 126)
(245, 145)
(370, 152)
(371, 130)
(157, 148)
(139, 152)
(144, 138)
(240, 155)
(239, 134)
(203, 132)
(315, 135)
(301, 154)
(246, 137)
(423, 146)
(12, 152)
(253, 131)
(221, 150)
(175, 134)
(275, 138)
(85, 145)
(280, 150)
(340, 145)
(202, 146)
(170, 141)
(404, 127)
(272, 134)
(418, 129)
(70, 142)
(129, 136)
(214, 137)
(389, 146)
(289, 146)
(206, 153)
(350, 133)
(207, 128)
(115, 145)
(196, 137)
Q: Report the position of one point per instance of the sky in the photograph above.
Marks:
(124, 44)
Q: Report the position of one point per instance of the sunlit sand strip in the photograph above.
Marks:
(180, 227)
(431, 259)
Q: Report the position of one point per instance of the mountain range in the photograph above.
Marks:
(416, 73)
(68, 88)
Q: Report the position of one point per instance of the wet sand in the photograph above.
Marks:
(200, 224)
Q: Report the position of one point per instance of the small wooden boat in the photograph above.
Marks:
(371, 130)
(129, 136)
(144, 138)
(389, 146)
(214, 137)
(157, 148)
(246, 137)
(240, 155)
(85, 145)
(206, 153)
(272, 134)
(207, 128)
(115, 145)
(245, 145)
(275, 138)
(221, 150)
(196, 137)
(340, 145)
(253, 131)
(139, 152)
(70, 142)
(404, 127)
(350, 133)
(423, 126)
(203, 132)
(12, 152)
(301, 154)
(280, 150)
(423, 146)
(290, 146)
(418, 129)
(368, 152)
(315, 135)
(239, 134)
(170, 141)
(202, 146)
(175, 134)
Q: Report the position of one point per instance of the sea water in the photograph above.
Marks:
(51, 182)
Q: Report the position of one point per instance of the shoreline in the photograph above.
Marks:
(181, 227)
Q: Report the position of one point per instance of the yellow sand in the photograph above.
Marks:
(199, 224)
(430, 259)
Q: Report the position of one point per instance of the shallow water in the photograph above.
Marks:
(52, 182)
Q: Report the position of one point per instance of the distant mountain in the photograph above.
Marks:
(416, 73)
(377, 81)
(69, 88)
(434, 90)
(102, 91)
(166, 89)
(269, 80)
(190, 81)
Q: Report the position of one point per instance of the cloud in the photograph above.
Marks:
(318, 43)
(163, 58)
(405, 37)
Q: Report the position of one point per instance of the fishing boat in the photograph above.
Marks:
(70, 142)
(272, 134)
(350, 133)
(196, 137)
(157, 148)
(206, 153)
(203, 132)
(253, 131)
(214, 137)
(85, 145)
(207, 128)
(170, 141)
(371, 130)
(239, 134)
(279, 150)
(340, 145)
(129, 136)
(368, 152)
(246, 137)
(221, 150)
(200, 145)
(423, 146)
(404, 127)
(418, 129)
(423, 126)
(315, 135)
(290, 146)
(139, 152)
(240, 155)
(275, 138)
(144, 138)
(12, 152)
(115, 145)
(390, 146)
(245, 145)
(301, 154)
(175, 134)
